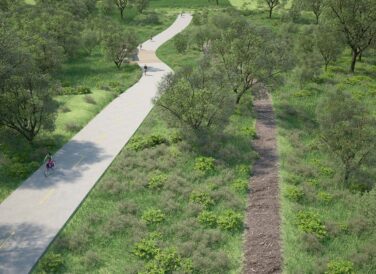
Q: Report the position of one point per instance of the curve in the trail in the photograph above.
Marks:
(33, 214)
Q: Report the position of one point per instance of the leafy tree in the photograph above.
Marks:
(89, 40)
(316, 6)
(357, 20)
(141, 5)
(251, 54)
(120, 45)
(271, 5)
(122, 5)
(348, 129)
(181, 43)
(327, 44)
(195, 97)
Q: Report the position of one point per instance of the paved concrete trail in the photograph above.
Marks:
(33, 214)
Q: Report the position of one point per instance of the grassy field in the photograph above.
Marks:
(18, 159)
(181, 200)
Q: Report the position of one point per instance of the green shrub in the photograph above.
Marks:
(92, 259)
(80, 90)
(294, 193)
(204, 164)
(165, 261)
(175, 137)
(90, 100)
(340, 267)
(243, 170)
(230, 220)
(152, 19)
(72, 127)
(249, 131)
(83, 90)
(153, 216)
(51, 262)
(181, 43)
(201, 198)
(20, 170)
(241, 186)
(157, 181)
(327, 171)
(147, 248)
(141, 143)
(324, 197)
(310, 222)
(207, 218)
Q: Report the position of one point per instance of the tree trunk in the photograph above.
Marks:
(355, 54)
(360, 56)
(270, 13)
(122, 13)
(317, 19)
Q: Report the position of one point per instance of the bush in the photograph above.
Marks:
(181, 43)
(20, 170)
(294, 193)
(80, 90)
(165, 261)
(65, 109)
(207, 218)
(230, 220)
(90, 100)
(201, 198)
(241, 186)
(72, 127)
(340, 267)
(157, 181)
(147, 248)
(310, 222)
(51, 262)
(140, 143)
(92, 259)
(249, 131)
(152, 19)
(243, 170)
(324, 197)
(204, 164)
(153, 216)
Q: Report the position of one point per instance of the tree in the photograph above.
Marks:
(120, 45)
(142, 5)
(357, 21)
(348, 129)
(195, 98)
(316, 6)
(122, 5)
(251, 54)
(327, 44)
(271, 5)
(89, 40)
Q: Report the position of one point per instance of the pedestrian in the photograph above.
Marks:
(140, 46)
(151, 37)
(145, 69)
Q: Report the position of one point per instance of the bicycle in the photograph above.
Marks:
(49, 167)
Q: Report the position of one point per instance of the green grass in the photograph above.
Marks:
(110, 221)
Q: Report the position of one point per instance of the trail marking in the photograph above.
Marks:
(47, 196)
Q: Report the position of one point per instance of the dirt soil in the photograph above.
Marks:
(262, 246)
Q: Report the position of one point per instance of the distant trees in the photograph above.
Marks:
(271, 5)
(315, 6)
(122, 5)
(120, 45)
(348, 129)
(141, 5)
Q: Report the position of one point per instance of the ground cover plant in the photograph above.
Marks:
(81, 79)
(173, 200)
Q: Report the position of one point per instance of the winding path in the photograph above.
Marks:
(32, 215)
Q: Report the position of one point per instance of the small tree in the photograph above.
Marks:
(357, 21)
(141, 5)
(195, 98)
(327, 42)
(89, 40)
(122, 5)
(315, 6)
(348, 129)
(181, 43)
(119, 46)
(271, 5)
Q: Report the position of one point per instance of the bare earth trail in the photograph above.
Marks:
(32, 216)
(262, 246)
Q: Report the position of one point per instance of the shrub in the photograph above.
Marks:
(152, 19)
(230, 220)
(310, 222)
(181, 43)
(241, 186)
(204, 164)
(80, 90)
(243, 170)
(327, 171)
(294, 179)
(83, 90)
(92, 259)
(201, 198)
(249, 131)
(65, 109)
(90, 100)
(165, 261)
(140, 143)
(20, 170)
(324, 197)
(147, 248)
(52, 262)
(294, 193)
(153, 216)
(340, 267)
(207, 218)
(157, 181)
(311, 243)
(72, 127)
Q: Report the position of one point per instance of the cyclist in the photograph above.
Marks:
(145, 69)
(50, 163)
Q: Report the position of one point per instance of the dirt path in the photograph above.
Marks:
(262, 248)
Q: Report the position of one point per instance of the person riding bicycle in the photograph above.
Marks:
(49, 161)
(145, 69)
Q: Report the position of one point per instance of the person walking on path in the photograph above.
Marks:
(145, 69)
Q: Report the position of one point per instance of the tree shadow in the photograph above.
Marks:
(72, 160)
(21, 246)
